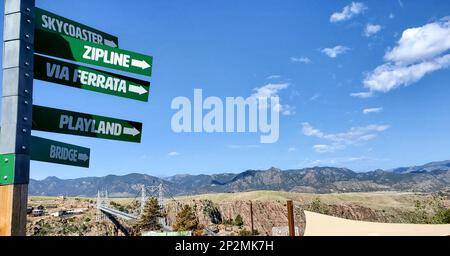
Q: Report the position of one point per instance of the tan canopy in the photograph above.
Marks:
(324, 225)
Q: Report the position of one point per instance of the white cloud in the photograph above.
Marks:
(292, 149)
(272, 90)
(305, 60)
(173, 153)
(315, 97)
(344, 161)
(420, 51)
(362, 95)
(339, 141)
(421, 43)
(336, 161)
(335, 51)
(371, 29)
(287, 110)
(269, 90)
(348, 12)
(273, 77)
(327, 148)
(372, 110)
(390, 76)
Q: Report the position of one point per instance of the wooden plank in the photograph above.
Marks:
(290, 208)
(5, 210)
(13, 210)
(252, 229)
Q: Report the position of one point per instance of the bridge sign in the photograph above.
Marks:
(51, 151)
(54, 23)
(82, 77)
(69, 48)
(74, 123)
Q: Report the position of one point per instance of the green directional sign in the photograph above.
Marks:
(69, 48)
(69, 122)
(82, 77)
(51, 151)
(45, 20)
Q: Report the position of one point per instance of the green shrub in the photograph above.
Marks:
(186, 220)
(245, 232)
(238, 221)
(318, 207)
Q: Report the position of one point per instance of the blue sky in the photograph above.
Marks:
(324, 51)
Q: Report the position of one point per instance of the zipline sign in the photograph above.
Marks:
(69, 48)
(51, 151)
(60, 72)
(81, 124)
(54, 23)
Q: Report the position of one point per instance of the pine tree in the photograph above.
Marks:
(150, 218)
(186, 220)
(238, 221)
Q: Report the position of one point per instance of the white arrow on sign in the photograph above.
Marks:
(140, 64)
(83, 157)
(109, 43)
(131, 131)
(137, 89)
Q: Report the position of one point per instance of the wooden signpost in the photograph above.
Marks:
(291, 224)
(29, 34)
(17, 87)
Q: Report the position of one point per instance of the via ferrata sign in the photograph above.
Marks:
(61, 72)
(45, 20)
(51, 151)
(87, 125)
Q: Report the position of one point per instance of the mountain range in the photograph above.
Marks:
(430, 177)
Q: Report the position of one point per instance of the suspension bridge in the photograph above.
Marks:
(107, 212)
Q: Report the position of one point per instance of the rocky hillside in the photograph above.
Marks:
(428, 178)
(443, 165)
(265, 214)
(117, 186)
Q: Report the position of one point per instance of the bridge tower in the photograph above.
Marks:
(99, 214)
(160, 195)
(162, 221)
(143, 198)
(106, 200)
(102, 200)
